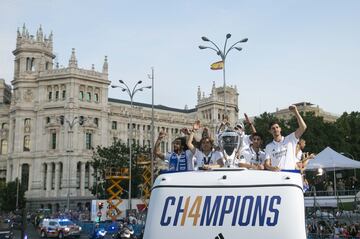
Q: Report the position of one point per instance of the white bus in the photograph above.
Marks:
(226, 204)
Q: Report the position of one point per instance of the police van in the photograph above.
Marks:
(226, 203)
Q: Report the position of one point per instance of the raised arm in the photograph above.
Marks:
(248, 122)
(191, 133)
(189, 142)
(302, 126)
(157, 151)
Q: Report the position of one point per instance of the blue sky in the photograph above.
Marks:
(297, 50)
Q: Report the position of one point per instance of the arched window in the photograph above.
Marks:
(88, 140)
(78, 173)
(32, 64)
(27, 121)
(61, 168)
(45, 167)
(53, 176)
(87, 175)
(88, 96)
(53, 139)
(25, 176)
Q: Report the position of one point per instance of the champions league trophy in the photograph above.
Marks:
(230, 143)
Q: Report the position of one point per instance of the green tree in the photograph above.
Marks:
(317, 133)
(348, 126)
(116, 156)
(8, 194)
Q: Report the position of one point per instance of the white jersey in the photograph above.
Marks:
(283, 154)
(189, 160)
(201, 159)
(249, 156)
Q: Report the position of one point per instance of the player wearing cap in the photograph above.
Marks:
(239, 127)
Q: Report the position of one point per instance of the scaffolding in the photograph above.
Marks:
(115, 175)
(144, 163)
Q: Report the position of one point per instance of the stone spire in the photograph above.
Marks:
(23, 30)
(198, 93)
(50, 40)
(105, 66)
(51, 36)
(213, 88)
(73, 61)
(39, 35)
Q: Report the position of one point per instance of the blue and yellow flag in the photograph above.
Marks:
(217, 65)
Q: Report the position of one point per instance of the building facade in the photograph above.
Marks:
(306, 107)
(56, 116)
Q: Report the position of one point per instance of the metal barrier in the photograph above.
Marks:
(329, 193)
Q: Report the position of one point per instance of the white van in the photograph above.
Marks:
(226, 204)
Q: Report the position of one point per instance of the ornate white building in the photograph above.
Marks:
(56, 116)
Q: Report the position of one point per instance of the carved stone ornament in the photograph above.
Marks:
(28, 95)
(27, 129)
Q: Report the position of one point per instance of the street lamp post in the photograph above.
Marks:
(71, 124)
(223, 54)
(152, 124)
(125, 88)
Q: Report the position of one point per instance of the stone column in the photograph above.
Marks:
(48, 179)
(91, 177)
(42, 177)
(82, 179)
(57, 178)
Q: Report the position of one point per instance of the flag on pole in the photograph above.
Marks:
(217, 65)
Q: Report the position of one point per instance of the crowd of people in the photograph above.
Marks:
(325, 186)
(336, 229)
(283, 153)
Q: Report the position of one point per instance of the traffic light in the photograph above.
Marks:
(101, 205)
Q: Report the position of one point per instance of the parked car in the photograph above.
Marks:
(58, 228)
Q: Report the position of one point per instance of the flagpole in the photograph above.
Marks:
(223, 54)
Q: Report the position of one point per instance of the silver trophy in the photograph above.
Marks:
(230, 143)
